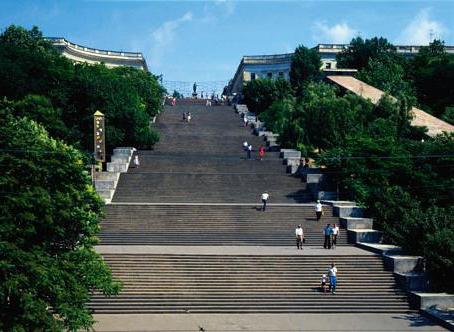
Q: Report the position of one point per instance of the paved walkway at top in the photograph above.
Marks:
(265, 322)
(230, 250)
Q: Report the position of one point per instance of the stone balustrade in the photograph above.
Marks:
(106, 182)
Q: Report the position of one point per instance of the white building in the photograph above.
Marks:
(278, 65)
(79, 53)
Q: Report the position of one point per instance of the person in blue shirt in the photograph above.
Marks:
(328, 232)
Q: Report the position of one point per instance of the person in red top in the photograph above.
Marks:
(261, 152)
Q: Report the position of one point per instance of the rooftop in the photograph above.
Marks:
(434, 125)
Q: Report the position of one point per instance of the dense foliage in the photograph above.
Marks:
(48, 226)
(305, 67)
(259, 94)
(404, 178)
(49, 210)
(66, 95)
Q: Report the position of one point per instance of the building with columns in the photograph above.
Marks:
(79, 53)
(278, 65)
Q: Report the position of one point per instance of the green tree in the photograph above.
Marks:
(48, 225)
(305, 67)
(389, 73)
(177, 95)
(433, 73)
(448, 115)
(40, 109)
(360, 51)
(261, 93)
(129, 97)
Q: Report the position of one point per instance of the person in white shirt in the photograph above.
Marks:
(299, 237)
(332, 273)
(189, 117)
(245, 120)
(335, 233)
(265, 197)
(136, 161)
(245, 145)
(318, 210)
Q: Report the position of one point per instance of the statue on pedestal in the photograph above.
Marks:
(194, 90)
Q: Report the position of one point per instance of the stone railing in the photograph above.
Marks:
(106, 182)
(409, 271)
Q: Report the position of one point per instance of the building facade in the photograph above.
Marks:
(79, 53)
(278, 65)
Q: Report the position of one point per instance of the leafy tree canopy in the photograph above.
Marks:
(31, 71)
(360, 51)
(48, 225)
(261, 93)
(305, 67)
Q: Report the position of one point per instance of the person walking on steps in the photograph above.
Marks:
(249, 151)
(245, 145)
(318, 210)
(261, 152)
(136, 161)
(245, 120)
(335, 234)
(184, 116)
(189, 117)
(265, 197)
(332, 273)
(323, 283)
(327, 232)
(299, 237)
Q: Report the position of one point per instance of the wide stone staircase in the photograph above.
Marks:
(248, 284)
(197, 190)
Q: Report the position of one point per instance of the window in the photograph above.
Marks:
(252, 76)
(328, 65)
(269, 75)
(281, 74)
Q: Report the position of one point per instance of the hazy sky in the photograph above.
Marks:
(204, 40)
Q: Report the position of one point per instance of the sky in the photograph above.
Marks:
(204, 41)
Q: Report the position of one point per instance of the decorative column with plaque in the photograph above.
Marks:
(99, 137)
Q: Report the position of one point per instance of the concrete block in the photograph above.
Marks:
(339, 203)
(356, 223)
(281, 152)
(117, 167)
(412, 281)
(122, 159)
(313, 178)
(321, 195)
(270, 139)
(380, 248)
(292, 161)
(105, 184)
(292, 169)
(264, 133)
(107, 176)
(404, 264)
(105, 194)
(272, 146)
(292, 154)
(347, 211)
(364, 235)
(123, 151)
(421, 300)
